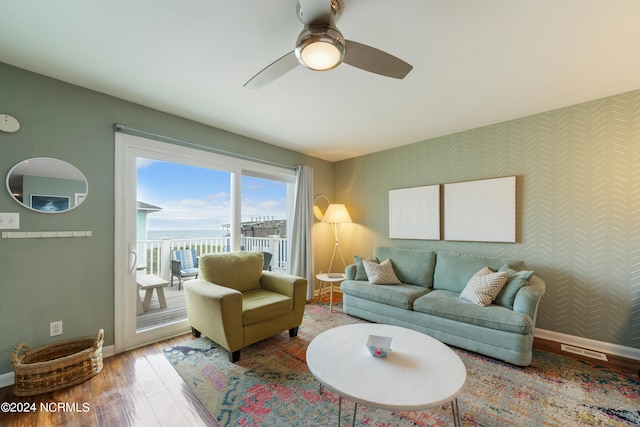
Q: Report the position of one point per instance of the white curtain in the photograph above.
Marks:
(301, 235)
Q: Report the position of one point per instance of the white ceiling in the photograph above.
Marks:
(476, 62)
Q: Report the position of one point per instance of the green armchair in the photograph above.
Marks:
(235, 303)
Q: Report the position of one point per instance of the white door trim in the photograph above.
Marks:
(127, 149)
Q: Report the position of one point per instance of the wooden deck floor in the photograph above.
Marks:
(175, 311)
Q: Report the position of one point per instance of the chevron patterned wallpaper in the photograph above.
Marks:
(578, 206)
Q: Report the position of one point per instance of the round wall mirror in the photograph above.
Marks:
(47, 185)
(320, 205)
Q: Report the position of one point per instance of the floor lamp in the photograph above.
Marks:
(337, 215)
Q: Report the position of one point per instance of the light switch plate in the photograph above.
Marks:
(9, 221)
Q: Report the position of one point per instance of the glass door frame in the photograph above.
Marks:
(127, 149)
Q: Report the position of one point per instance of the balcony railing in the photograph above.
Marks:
(154, 256)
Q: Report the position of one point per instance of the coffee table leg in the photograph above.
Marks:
(355, 411)
(456, 412)
(339, 409)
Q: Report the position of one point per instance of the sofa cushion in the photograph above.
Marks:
(380, 274)
(414, 266)
(517, 279)
(484, 286)
(453, 270)
(361, 274)
(401, 295)
(448, 305)
(259, 305)
(237, 270)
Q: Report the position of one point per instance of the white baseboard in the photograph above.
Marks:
(108, 351)
(7, 379)
(599, 346)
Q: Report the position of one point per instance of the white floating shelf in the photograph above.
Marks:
(43, 234)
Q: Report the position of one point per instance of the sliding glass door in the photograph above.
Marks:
(180, 209)
(173, 201)
(265, 210)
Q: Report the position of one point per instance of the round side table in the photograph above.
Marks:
(325, 279)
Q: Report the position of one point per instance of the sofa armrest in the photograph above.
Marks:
(350, 272)
(216, 311)
(528, 297)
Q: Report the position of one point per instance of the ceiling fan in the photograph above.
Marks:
(321, 47)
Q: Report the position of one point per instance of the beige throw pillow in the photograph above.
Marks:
(484, 286)
(381, 274)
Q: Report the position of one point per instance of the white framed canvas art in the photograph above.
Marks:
(414, 213)
(481, 211)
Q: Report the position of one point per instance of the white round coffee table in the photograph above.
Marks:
(419, 373)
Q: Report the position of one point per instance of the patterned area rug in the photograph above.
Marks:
(271, 386)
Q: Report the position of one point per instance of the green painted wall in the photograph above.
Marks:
(578, 206)
(43, 280)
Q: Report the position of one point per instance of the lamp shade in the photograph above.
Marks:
(337, 214)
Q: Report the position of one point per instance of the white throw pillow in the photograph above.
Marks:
(381, 274)
(484, 286)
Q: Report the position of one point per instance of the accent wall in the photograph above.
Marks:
(578, 206)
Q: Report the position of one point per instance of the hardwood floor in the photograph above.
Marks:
(141, 388)
(136, 388)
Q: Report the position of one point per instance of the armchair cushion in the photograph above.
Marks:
(260, 305)
(237, 270)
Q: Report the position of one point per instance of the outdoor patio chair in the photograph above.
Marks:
(184, 263)
(267, 260)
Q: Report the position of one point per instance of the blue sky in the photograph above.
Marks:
(195, 198)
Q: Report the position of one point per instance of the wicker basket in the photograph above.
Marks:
(56, 366)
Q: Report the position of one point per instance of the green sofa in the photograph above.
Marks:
(428, 300)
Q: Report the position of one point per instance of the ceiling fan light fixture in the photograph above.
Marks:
(320, 48)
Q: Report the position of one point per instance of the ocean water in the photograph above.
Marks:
(183, 234)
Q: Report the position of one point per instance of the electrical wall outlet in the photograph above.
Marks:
(55, 328)
(9, 221)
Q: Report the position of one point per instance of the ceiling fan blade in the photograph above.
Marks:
(375, 61)
(274, 70)
(315, 11)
